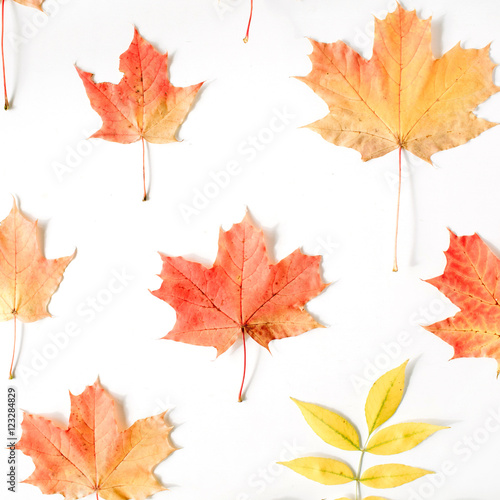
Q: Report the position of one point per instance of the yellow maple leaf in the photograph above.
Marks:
(402, 97)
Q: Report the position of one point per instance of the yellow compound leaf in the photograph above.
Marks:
(330, 427)
(391, 475)
(384, 397)
(322, 470)
(400, 437)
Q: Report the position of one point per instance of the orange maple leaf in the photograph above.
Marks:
(471, 280)
(94, 454)
(27, 279)
(402, 97)
(144, 105)
(242, 293)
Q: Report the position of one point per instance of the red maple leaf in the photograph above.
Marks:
(144, 106)
(242, 293)
(471, 280)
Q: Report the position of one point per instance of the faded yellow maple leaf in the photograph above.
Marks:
(27, 279)
(402, 97)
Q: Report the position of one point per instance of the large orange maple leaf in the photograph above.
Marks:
(471, 280)
(402, 98)
(27, 279)
(144, 105)
(94, 455)
(242, 293)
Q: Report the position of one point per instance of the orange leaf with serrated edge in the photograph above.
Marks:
(471, 280)
(144, 105)
(27, 279)
(402, 96)
(243, 293)
(94, 455)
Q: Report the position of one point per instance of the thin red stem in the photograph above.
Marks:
(97, 495)
(144, 169)
(249, 22)
(240, 398)
(395, 267)
(11, 373)
(6, 106)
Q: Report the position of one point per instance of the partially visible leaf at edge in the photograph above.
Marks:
(36, 4)
(384, 397)
(330, 427)
(471, 280)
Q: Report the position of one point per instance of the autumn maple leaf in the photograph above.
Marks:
(402, 98)
(27, 279)
(94, 455)
(242, 293)
(144, 105)
(471, 280)
(36, 4)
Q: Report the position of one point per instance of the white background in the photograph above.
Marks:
(302, 190)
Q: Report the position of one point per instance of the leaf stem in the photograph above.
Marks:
(240, 399)
(11, 373)
(360, 466)
(395, 266)
(6, 106)
(144, 169)
(249, 22)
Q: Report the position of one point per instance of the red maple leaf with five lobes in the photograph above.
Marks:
(242, 293)
(144, 105)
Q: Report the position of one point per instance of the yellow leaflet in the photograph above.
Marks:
(375, 498)
(384, 397)
(330, 427)
(322, 470)
(391, 475)
(400, 437)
